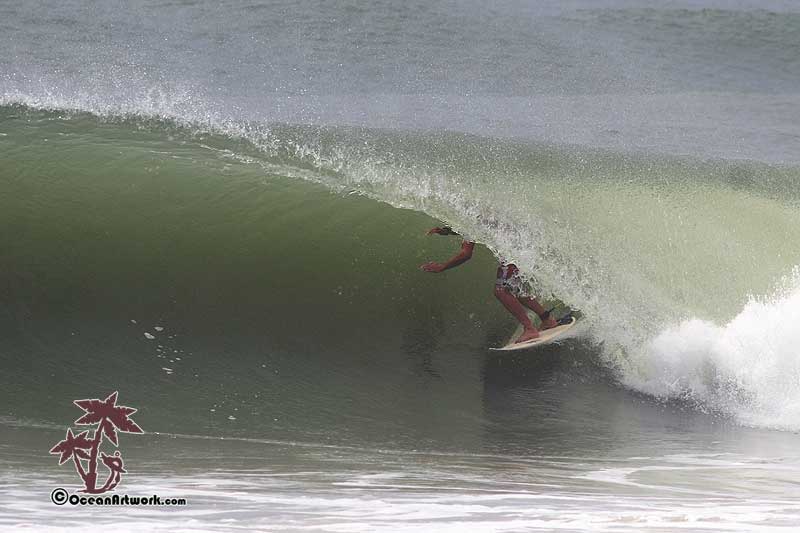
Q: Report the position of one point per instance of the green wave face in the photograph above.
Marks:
(290, 303)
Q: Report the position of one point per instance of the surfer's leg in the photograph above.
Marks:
(514, 307)
(507, 290)
(531, 303)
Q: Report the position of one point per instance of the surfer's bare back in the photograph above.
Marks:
(508, 288)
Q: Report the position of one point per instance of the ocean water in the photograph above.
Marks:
(219, 209)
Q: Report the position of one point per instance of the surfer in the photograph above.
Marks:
(508, 288)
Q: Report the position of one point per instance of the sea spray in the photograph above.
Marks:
(748, 368)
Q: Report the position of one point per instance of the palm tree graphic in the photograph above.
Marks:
(109, 418)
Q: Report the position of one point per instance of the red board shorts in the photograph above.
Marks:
(508, 278)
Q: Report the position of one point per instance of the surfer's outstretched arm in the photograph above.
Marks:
(444, 230)
(464, 255)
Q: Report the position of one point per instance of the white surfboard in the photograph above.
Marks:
(547, 336)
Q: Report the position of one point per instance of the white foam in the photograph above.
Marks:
(749, 367)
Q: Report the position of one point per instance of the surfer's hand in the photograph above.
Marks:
(440, 231)
(433, 267)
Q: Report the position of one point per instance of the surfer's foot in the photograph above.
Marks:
(548, 323)
(528, 334)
